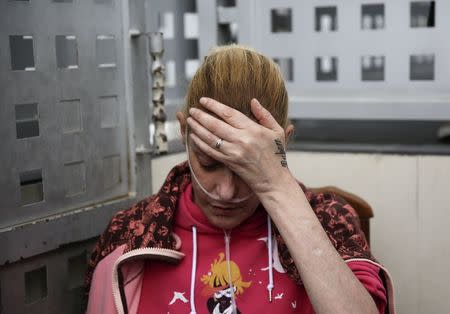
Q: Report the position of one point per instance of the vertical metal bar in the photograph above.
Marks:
(128, 95)
(159, 117)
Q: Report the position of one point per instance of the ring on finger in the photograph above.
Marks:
(218, 143)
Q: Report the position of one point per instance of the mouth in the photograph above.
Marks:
(228, 205)
(222, 206)
(224, 211)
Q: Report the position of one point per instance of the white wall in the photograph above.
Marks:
(410, 232)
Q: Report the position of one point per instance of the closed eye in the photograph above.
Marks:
(208, 163)
(210, 166)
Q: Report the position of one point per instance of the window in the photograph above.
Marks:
(171, 76)
(190, 67)
(66, 51)
(22, 55)
(422, 14)
(421, 67)
(326, 69)
(190, 25)
(166, 24)
(281, 20)
(35, 285)
(372, 16)
(27, 120)
(106, 51)
(31, 187)
(326, 19)
(372, 68)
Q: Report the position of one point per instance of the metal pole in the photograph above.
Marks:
(156, 48)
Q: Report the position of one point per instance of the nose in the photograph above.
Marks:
(227, 187)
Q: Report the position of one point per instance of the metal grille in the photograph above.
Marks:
(63, 118)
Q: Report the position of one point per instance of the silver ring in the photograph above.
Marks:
(219, 143)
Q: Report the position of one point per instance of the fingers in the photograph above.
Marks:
(206, 122)
(263, 115)
(232, 116)
(212, 152)
(201, 132)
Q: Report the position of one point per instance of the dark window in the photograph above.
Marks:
(281, 20)
(372, 16)
(22, 55)
(27, 120)
(422, 14)
(66, 51)
(326, 19)
(372, 68)
(35, 285)
(31, 187)
(326, 69)
(421, 67)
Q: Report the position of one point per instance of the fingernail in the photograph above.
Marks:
(203, 100)
(258, 105)
(192, 111)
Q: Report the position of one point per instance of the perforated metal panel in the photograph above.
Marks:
(63, 111)
(49, 283)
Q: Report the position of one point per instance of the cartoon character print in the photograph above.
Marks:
(217, 285)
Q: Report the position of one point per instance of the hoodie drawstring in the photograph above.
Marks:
(270, 256)
(230, 281)
(194, 268)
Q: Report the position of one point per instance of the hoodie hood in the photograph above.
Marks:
(190, 214)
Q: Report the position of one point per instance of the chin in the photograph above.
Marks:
(224, 222)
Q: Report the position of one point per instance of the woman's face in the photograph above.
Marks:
(221, 211)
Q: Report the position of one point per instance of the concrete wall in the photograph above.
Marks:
(409, 232)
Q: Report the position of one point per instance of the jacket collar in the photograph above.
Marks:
(155, 227)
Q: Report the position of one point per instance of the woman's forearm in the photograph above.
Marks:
(329, 282)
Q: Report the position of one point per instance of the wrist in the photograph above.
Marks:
(282, 184)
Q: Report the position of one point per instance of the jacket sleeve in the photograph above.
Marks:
(123, 226)
(369, 275)
(101, 298)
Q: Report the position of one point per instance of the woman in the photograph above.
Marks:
(231, 230)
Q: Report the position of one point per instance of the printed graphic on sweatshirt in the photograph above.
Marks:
(217, 286)
(178, 296)
(275, 256)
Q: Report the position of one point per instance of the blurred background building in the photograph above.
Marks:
(369, 95)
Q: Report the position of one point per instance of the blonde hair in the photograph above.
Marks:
(235, 74)
(218, 277)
